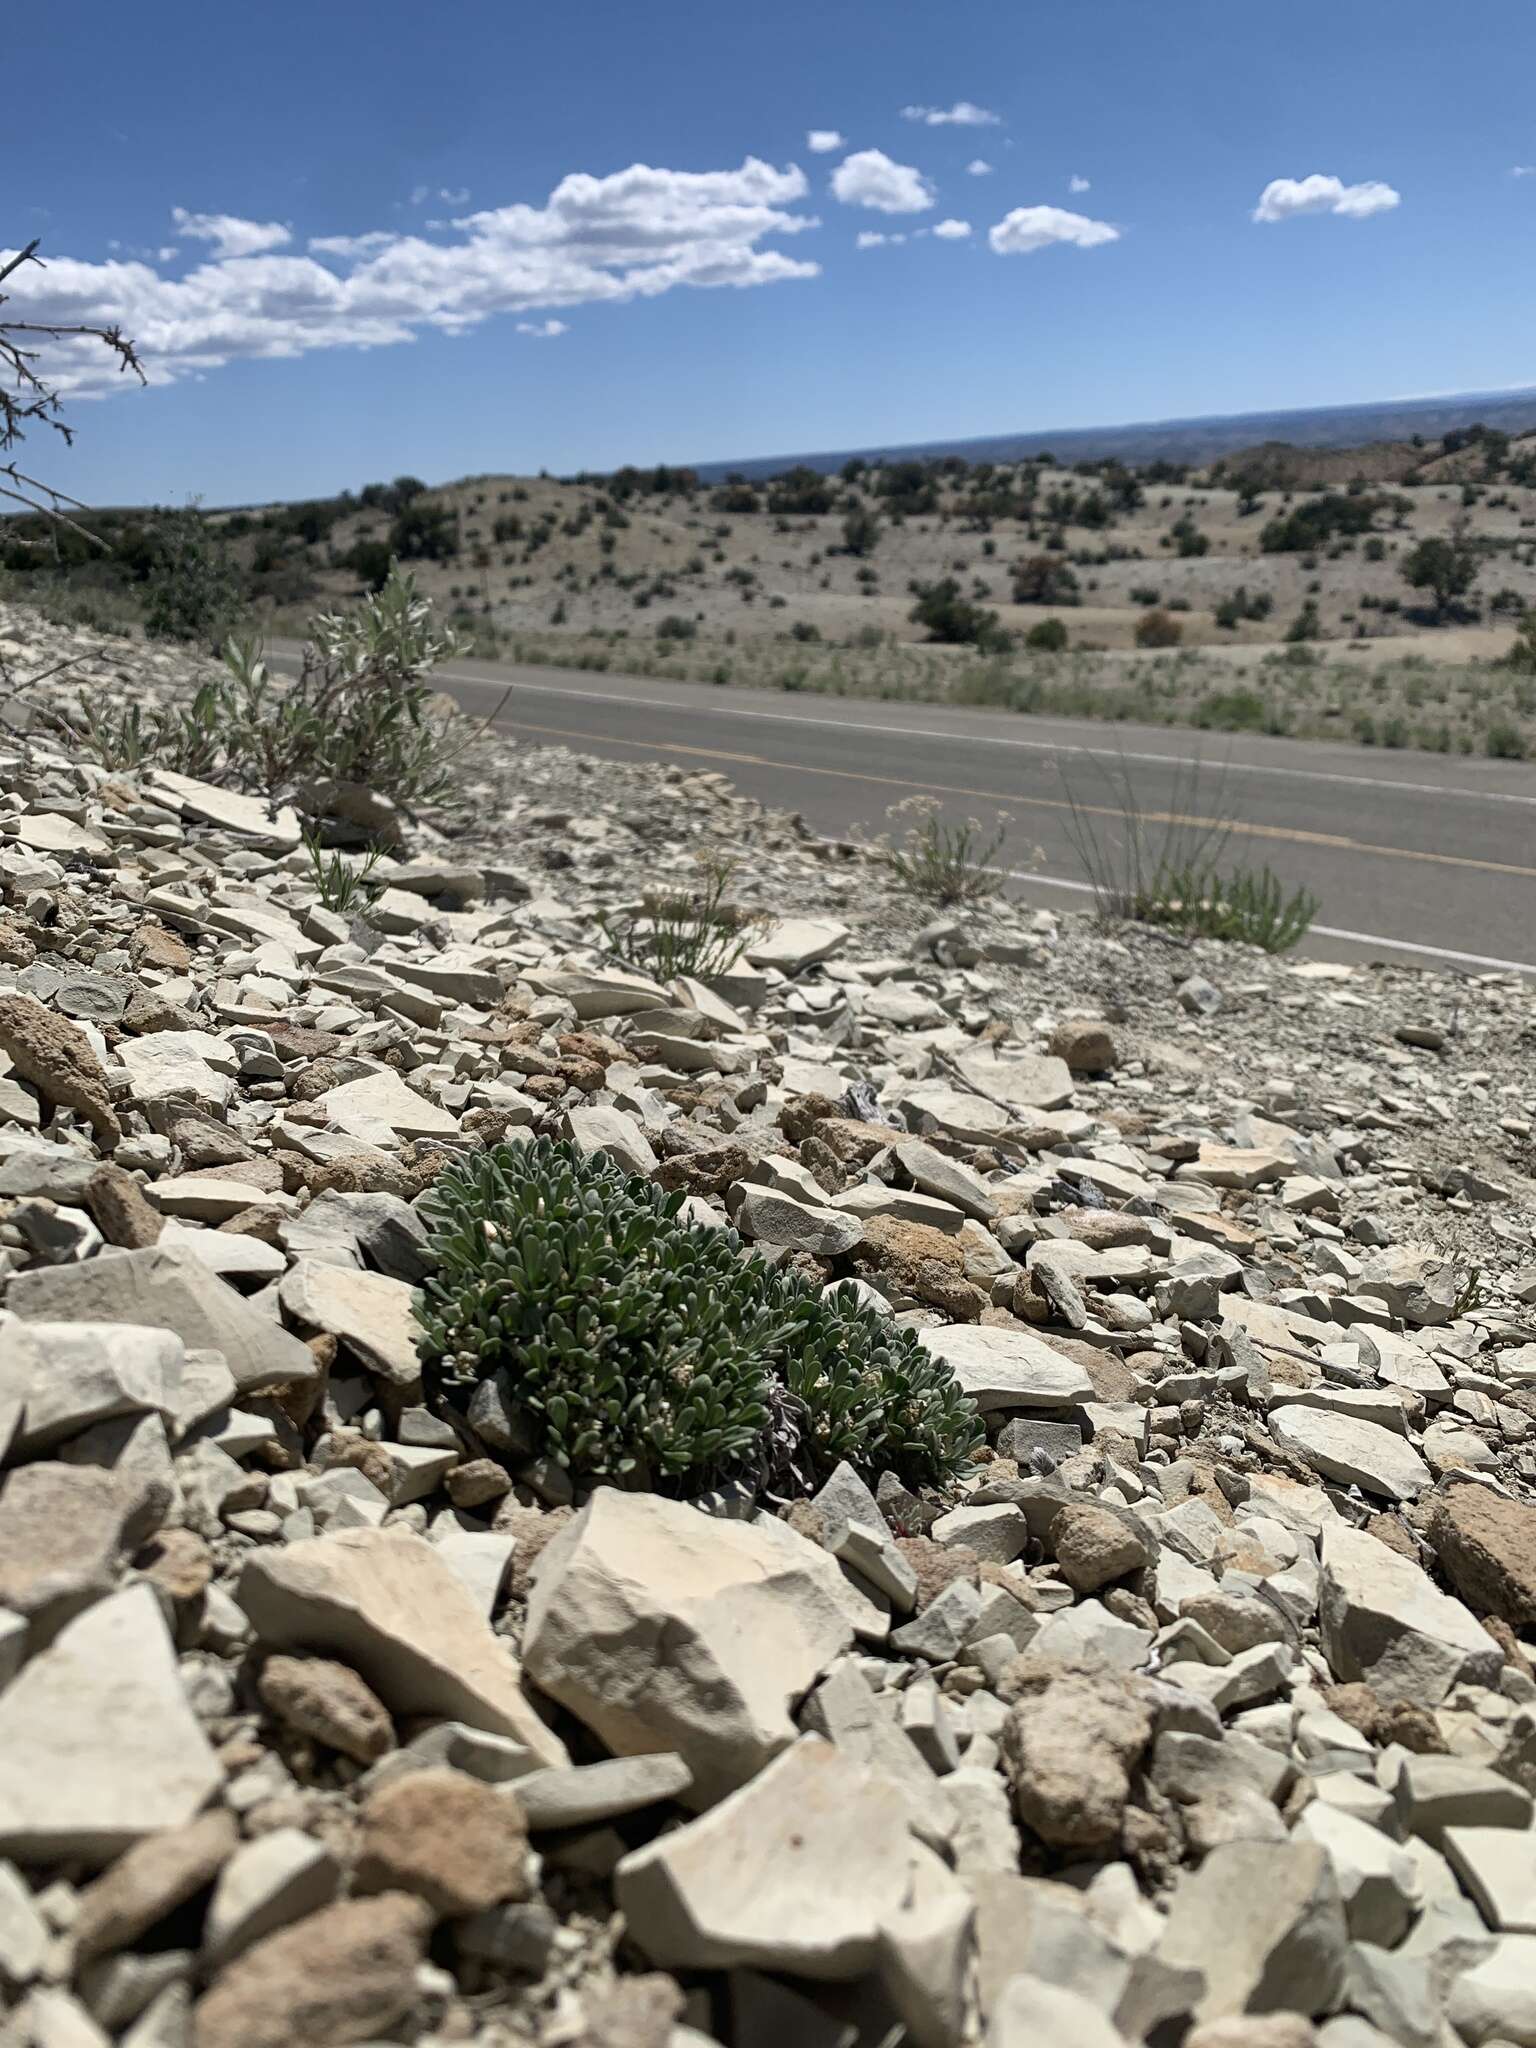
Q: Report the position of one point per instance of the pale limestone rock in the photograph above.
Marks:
(664, 1629)
(98, 1744)
(386, 1603)
(796, 1871)
(1384, 1621)
(1008, 1369)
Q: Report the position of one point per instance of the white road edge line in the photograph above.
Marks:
(918, 732)
(1323, 931)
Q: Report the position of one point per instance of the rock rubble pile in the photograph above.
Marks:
(1199, 1711)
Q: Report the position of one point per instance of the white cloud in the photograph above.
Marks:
(543, 330)
(952, 230)
(229, 235)
(1077, 184)
(1522, 170)
(822, 140)
(453, 198)
(963, 114)
(978, 167)
(350, 247)
(1029, 228)
(420, 194)
(1282, 198)
(872, 238)
(870, 178)
(635, 234)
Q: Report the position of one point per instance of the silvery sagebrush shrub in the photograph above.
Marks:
(630, 1347)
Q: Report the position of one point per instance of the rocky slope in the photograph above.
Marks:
(1200, 1712)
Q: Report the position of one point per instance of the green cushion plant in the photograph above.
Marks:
(630, 1347)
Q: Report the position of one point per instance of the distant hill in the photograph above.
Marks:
(1196, 441)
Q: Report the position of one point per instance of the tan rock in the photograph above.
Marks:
(1085, 1043)
(153, 946)
(56, 1057)
(1267, 2030)
(120, 1209)
(347, 1973)
(150, 1880)
(1487, 1549)
(1094, 1545)
(329, 1703)
(179, 1562)
(442, 1835)
(1070, 1748)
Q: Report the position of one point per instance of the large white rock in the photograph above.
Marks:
(769, 1217)
(252, 817)
(98, 1743)
(68, 1376)
(1024, 1080)
(1377, 1880)
(180, 1066)
(1352, 1452)
(1495, 2000)
(665, 1629)
(387, 1603)
(166, 1288)
(368, 1312)
(382, 1099)
(1265, 1922)
(1384, 1621)
(1008, 1368)
(796, 1872)
(798, 942)
(595, 992)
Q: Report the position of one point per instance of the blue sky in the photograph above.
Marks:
(187, 158)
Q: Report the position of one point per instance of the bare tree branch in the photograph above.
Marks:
(32, 400)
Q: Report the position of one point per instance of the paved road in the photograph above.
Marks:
(1411, 855)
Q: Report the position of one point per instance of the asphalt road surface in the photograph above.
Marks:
(1412, 856)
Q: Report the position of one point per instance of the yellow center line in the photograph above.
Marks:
(1294, 834)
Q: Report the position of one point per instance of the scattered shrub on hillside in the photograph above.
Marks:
(1522, 649)
(1505, 742)
(191, 591)
(954, 620)
(800, 493)
(1446, 565)
(1045, 579)
(423, 532)
(673, 627)
(1157, 629)
(861, 532)
(1187, 538)
(1316, 521)
(1047, 636)
(626, 1346)
(1307, 625)
(369, 561)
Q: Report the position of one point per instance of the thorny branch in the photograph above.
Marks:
(27, 398)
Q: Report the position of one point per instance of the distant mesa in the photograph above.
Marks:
(1195, 441)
